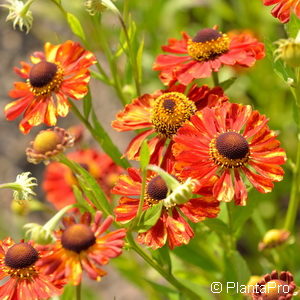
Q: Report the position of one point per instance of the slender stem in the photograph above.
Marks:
(215, 78)
(132, 57)
(295, 191)
(78, 291)
(103, 141)
(231, 237)
(141, 202)
(111, 60)
(169, 277)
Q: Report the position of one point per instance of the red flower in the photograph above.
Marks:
(58, 73)
(198, 57)
(58, 178)
(282, 9)
(18, 263)
(82, 246)
(162, 114)
(172, 226)
(228, 141)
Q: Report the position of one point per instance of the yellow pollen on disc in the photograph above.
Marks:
(44, 78)
(170, 111)
(46, 141)
(208, 44)
(230, 150)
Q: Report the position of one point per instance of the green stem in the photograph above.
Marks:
(231, 237)
(169, 277)
(78, 291)
(131, 57)
(102, 138)
(141, 202)
(295, 191)
(215, 78)
(11, 185)
(110, 58)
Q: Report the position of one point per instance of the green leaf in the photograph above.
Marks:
(89, 186)
(241, 214)
(75, 26)
(123, 42)
(194, 255)
(293, 26)
(80, 199)
(284, 72)
(171, 182)
(144, 155)
(106, 143)
(226, 84)
(139, 60)
(217, 225)
(149, 217)
(202, 291)
(162, 256)
(87, 105)
(69, 292)
(170, 293)
(236, 268)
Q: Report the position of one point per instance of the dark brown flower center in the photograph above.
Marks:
(21, 256)
(275, 289)
(42, 73)
(206, 35)
(169, 104)
(157, 188)
(232, 145)
(78, 237)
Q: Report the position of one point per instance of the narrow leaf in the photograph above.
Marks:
(75, 26)
(106, 143)
(227, 83)
(139, 60)
(80, 199)
(193, 255)
(217, 225)
(87, 105)
(144, 155)
(149, 217)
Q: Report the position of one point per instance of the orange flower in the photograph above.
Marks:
(283, 8)
(228, 141)
(207, 52)
(18, 263)
(162, 114)
(82, 246)
(172, 226)
(58, 178)
(58, 73)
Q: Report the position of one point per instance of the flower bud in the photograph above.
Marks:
(289, 51)
(47, 144)
(38, 233)
(274, 238)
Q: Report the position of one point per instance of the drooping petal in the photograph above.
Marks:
(223, 189)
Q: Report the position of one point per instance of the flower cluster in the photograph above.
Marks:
(194, 132)
(39, 272)
(201, 149)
